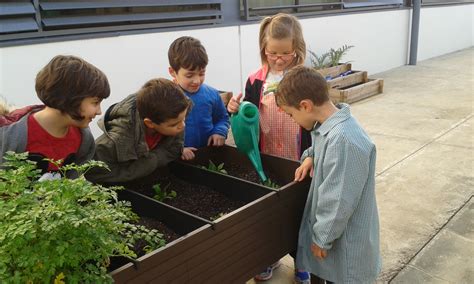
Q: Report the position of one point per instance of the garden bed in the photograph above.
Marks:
(234, 247)
(199, 200)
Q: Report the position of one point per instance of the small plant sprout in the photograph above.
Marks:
(271, 184)
(215, 168)
(163, 194)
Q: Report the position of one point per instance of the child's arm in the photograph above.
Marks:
(130, 170)
(170, 150)
(345, 173)
(234, 103)
(188, 153)
(306, 164)
(121, 171)
(305, 168)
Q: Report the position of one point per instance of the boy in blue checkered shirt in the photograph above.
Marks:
(339, 232)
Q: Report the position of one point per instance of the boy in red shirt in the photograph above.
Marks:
(142, 132)
(71, 90)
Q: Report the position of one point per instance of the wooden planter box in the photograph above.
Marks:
(234, 247)
(335, 70)
(354, 87)
(350, 88)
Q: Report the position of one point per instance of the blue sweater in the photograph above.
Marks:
(208, 116)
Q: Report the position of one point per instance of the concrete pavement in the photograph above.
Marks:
(423, 127)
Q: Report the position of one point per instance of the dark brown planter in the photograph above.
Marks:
(234, 247)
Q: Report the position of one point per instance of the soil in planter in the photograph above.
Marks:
(150, 223)
(249, 174)
(196, 199)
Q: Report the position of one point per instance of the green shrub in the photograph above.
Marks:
(62, 230)
(330, 58)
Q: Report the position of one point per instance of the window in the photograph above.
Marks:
(45, 18)
(251, 9)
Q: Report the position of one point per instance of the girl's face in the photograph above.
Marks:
(280, 53)
(90, 107)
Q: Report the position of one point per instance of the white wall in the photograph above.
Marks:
(381, 41)
(444, 30)
(128, 62)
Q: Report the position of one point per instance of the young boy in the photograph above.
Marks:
(207, 123)
(339, 232)
(71, 90)
(141, 133)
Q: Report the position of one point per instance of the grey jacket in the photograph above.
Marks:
(123, 148)
(14, 137)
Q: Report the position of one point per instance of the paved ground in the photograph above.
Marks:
(423, 127)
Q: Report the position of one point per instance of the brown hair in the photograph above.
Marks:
(282, 26)
(66, 81)
(188, 53)
(302, 83)
(160, 100)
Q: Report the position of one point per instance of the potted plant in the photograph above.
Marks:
(63, 230)
(328, 64)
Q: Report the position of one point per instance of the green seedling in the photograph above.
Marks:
(215, 168)
(271, 184)
(163, 194)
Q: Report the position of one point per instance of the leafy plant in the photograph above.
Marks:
(318, 62)
(330, 58)
(163, 194)
(62, 230)
(335, 55)
(271, 184)
(215, 168)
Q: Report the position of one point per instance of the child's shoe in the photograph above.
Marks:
(302, 277)
(268, 273)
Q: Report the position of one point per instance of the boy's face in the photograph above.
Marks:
(189, 80)
(170, 127)
(302, 116)
(90, 107)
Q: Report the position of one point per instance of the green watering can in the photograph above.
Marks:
(245, 128)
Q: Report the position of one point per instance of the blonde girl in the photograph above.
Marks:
(281, 47)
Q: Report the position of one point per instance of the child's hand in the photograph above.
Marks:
(215, 140)
(318, 252)
(302, 171)
(234, 104)
(188, 153)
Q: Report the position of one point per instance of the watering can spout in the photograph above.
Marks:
(245, 128)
